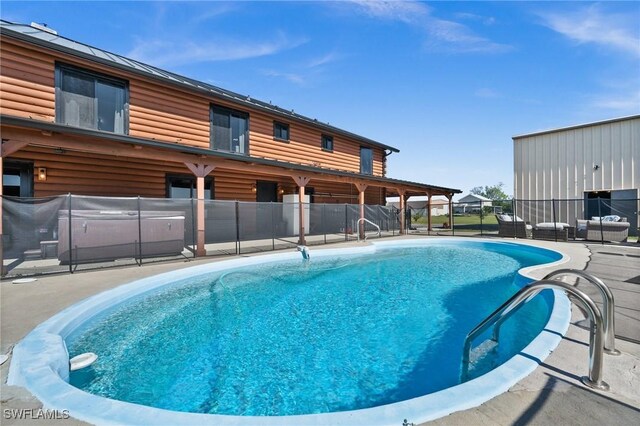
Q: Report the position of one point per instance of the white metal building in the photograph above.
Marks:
(599, 160)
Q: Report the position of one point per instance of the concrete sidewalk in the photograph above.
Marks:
(553, 394)
(619, 267)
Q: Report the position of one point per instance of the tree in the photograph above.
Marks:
(493, 192)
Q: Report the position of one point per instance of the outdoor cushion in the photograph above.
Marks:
(608, 218)
(508, 218)
(550, 225)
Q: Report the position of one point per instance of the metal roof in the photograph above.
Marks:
(576, 126)
(9, 120)
(51, 40)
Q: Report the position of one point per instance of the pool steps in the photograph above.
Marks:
(602, 328)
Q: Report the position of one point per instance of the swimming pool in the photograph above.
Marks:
(316, 337)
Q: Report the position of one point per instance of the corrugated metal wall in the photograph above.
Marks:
(561, 164)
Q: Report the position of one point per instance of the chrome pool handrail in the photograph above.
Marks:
(608, 305)
(596, 332)
(362, 219)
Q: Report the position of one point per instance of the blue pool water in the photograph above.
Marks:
(296, 337)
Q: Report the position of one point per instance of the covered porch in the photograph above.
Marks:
(293, 218)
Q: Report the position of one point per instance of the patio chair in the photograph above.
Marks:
(507, 228)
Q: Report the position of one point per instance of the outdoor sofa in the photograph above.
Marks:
(607, 229)
(107, 235)
(553, 231)
(507, 227)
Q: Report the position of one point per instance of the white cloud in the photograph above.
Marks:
(405, 11)
(626, 103)
(215, 10)
(486, 20)
(441, 35)
(323, 60)
(454, 37)
(289, 76)
(593, 25)
(163, 52)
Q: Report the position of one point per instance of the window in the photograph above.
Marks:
(327, 143)
(366, 161)
(229, 130)
(280, 131)
(90, 100)
(184, 186)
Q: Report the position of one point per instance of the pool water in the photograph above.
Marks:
(295, 337)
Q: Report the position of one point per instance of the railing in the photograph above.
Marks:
(46, 235)
(596, 334)
(555, 215)
(608, 305)
(363, 220)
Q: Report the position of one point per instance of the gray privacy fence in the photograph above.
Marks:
(596, 219)
(68, 233)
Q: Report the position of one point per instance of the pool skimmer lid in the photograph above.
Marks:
(82, 361)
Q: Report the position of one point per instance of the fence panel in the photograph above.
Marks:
(168, 227)
(30, 234)
(67, 233)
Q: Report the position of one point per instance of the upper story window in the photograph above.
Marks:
(229, 130)
(366, 160)
(280, 131)
(327, 143)
(90, 100)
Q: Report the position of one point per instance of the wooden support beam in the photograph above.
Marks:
(429, 211)
(301, 181)
(8, 147)
(362, 187)
(200, 171)
(450, 197)
(402, 193)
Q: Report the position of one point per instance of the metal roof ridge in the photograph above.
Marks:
(576, 126)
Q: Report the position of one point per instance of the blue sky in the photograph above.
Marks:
(448, 83)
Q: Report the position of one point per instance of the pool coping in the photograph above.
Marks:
(40, 361)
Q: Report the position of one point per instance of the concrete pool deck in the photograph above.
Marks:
(552, 394)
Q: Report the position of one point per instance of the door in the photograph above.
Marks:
(17, 179)
(266, 192)
(624, 203)
(20, 233)
(597, 203)
(267, 219)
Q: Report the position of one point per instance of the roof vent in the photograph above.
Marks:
(43, 27)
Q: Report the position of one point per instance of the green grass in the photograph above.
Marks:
(473, 219)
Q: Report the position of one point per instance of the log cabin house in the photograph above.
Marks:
(81, 120)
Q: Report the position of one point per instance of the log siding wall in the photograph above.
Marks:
(166, 113)
(102, 175)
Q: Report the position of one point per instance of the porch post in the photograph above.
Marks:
(402, 193)
(450, 197)
(200, 171)
(301, 181)
(429, 211)
(361, 188)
